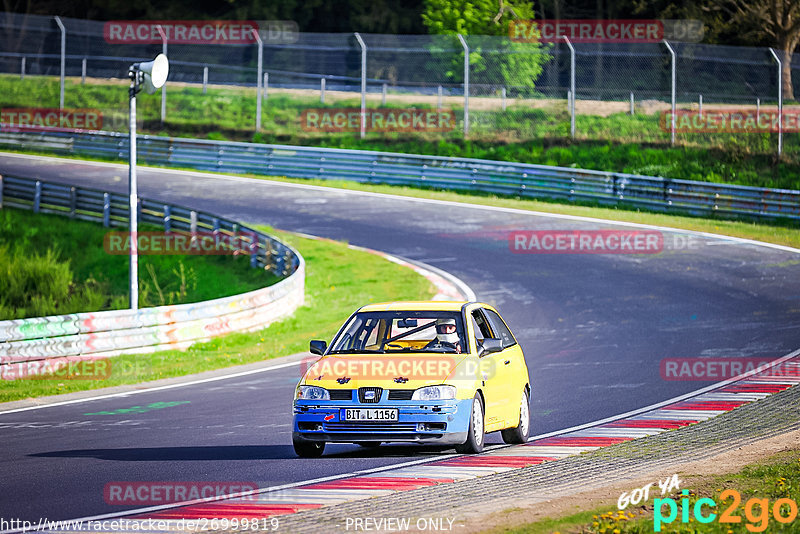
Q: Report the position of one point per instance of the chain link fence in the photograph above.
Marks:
(494, 87)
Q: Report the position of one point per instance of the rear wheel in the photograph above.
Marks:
(308, 449)
(520, 433)
(475, 434)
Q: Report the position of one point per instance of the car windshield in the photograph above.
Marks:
(401, 331)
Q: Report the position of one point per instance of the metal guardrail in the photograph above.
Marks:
(37, 345)
(519, 179)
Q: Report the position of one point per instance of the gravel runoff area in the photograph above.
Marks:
(469, 503)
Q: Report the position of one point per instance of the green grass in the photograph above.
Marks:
(338, 280)
(76, 247)
(773, 478)
(619, 142)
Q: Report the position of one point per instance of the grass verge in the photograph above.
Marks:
(338, 280)
(759, 485)
(56, 266)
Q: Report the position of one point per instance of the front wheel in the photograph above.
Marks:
(519, 434)
(475, 434)
(308, 449)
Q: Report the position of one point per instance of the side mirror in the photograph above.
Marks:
(317, 346)
(489, 346)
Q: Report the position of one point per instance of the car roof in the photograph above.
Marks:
(422, 305)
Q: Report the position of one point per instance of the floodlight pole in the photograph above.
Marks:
(780, 100)
(164, 87)
(132, 191)
(673, 78)
(465, 46)
(571, 103)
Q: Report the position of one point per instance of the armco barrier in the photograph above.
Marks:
(534, 181)
(33, 346)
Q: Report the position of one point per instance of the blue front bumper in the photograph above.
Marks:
(442, 422)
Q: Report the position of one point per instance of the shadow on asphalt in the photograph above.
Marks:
(241, 452)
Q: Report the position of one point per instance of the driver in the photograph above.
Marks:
(446, 335)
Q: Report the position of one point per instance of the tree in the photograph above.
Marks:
(518, 64)
(776, 21)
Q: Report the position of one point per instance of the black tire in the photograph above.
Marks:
(476, 433)
(308, 449)
(520, 433)
(368, 444)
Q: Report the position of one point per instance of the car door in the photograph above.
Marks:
(512, 370)
(493, 374)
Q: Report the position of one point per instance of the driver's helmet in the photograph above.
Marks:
(446, 330)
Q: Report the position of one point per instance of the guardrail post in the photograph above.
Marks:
(106, 210)
(667, 192)
(205, 79)
(167, 218)
(466, 82)
(37, 196)
(63, 61)
(73, 202)
(673, 83)
(363, 46)
(254, 250)
(780, 100)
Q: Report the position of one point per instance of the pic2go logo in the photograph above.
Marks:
(756, 511)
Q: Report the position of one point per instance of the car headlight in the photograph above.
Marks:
(311, 393)
(430, 393)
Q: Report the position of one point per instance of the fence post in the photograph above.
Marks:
(758, 108)
(383, 97)
(322, 90)
(63, 60)
(700, 106)
(673, 77)
(258, 79)
(503, 95)
(83, 71)
(163, 87)
(571, 102)
(205, 79)
(439, 105)
(363, 84)
(632, 101)
(266, 85)
(780, 100)
(254, 250)
(22, 69)
(466, 82)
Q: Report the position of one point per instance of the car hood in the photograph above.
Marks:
(388, 371)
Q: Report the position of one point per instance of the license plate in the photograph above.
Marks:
(370, 414)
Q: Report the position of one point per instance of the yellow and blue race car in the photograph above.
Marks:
(424, 372)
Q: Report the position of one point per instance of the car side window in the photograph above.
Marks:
(499, 327)
(481, 326)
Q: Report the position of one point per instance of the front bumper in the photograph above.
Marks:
(435, 422)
